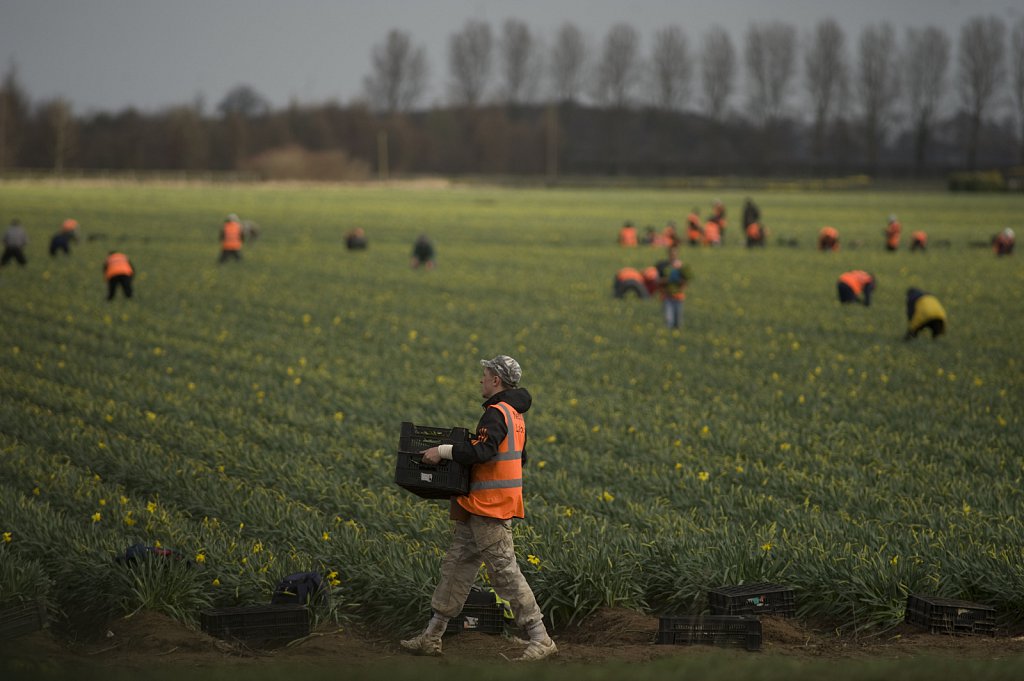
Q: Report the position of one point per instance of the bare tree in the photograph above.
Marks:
(14, 115)
(981, 70)
(520, 62)
(826, 75)
(925, 62)
(619, 67)
(399, 75)
(61, 132)
(469, 59)
(1017, 81)
(244, 101)
(718, 70)
(877, 85)
(568, 58)
(671, 68)
(770, 54)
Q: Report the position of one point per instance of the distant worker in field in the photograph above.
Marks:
(118, 271)
(1002, 243)
(828, 239)
(15, 240)
(694, 232)
(718, 217)
(755, 235)
(673, 278)
(628, 237)
(61, 241)
(751, 213)
(712, 234)
(856, 286)
(631, 280)
(918, 241)
(892, 234)
(231, 239)
(669, 236)
(355, 240)
(70, 225)
(423, 253)
(483, 518)
(924, 311)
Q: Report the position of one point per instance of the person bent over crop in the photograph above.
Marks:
(924, 311)
(231, 238)
(483, 518)
(856, 287)
(828, 239)
(629, 279)
(118, 271)
(918, 241)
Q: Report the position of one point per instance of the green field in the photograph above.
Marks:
(247, 414)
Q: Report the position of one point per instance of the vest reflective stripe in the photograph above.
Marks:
(117, 265)
(232, 240)
(496, 485)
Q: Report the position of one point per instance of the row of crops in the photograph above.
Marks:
(246, 415)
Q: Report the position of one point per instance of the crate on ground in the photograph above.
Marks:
(482, 613)
(713, 630)
(257, 623)
(19, 618)
(440, 481)
(948, 616)
(753, 599)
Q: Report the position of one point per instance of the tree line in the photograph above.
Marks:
(885, 103)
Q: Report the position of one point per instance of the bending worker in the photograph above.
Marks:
(631, 279)
(231, 239)
(118, 271)
(856, 287)
(924, 311)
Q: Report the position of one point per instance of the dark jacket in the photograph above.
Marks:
(913, 295)
(491, 430)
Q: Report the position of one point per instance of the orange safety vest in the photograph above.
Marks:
(629, 274)
(712, 232)
(754, 231)
(856, 280)
(117, 265)
(496, 486)
(892, 235)
(232, 237)
(627, 236)
(69, 225)
(919, 237)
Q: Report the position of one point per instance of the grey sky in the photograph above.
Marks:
(110, 54)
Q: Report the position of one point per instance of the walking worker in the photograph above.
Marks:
(694, 232)
(673, 277)
(924, 311)
(828, 239)
(483, 518)
(856, 286)
(627, 236)
(231, 239)
(892, 234)
(118, 271)
(15, 240)
(918, 241)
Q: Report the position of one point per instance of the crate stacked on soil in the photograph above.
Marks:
(440, 481)
(257, 623)
(481, 613)
(713, 630)
(21, 618)
(947, 616)
(753, 599)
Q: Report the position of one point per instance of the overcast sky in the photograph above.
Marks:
(106, 55)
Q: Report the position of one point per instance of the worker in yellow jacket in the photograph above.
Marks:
(924, 311)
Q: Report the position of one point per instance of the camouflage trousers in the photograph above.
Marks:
(489, 541)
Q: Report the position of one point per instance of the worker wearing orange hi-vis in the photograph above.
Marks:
(755, 235)
(694, 232)
(630, 279)
(1002, 243)
(856, 286)
(118, 271)
(828, 239)
(712, 233)
(892, 234)
(918, 241)
(628, 236)
(483, 518)
(231, 239)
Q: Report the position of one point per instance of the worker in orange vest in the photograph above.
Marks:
(628, 236)
(828, 239)
(892, 234)
(483, 518)
(231, 239)
(694, 232)
(918, 241)
(718, 216)
(856, 286)
(755, 235)
(630, 279)
(712, 233)
(118, 271)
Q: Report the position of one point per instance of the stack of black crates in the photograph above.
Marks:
(439, 481)
(734, 618)
(948, 616)
(482, 613)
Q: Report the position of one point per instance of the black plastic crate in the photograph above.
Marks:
(17, 619)
(257, 623)
(712, 630)
(439, 481)
(947, 616)
(481, 613)
(753, 599)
